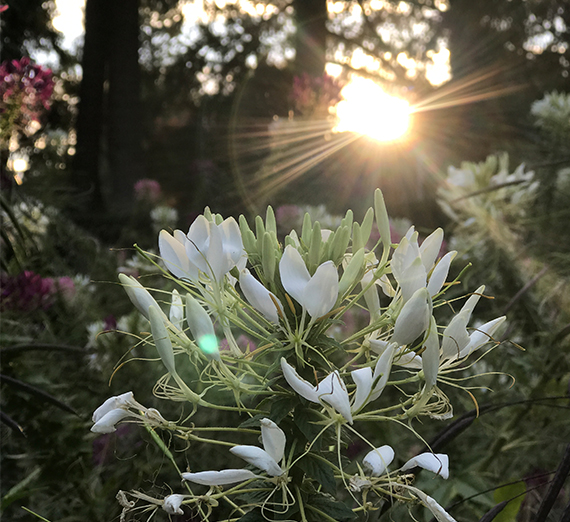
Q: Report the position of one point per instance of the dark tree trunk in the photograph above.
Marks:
(311, 37)
(124, 116)
(109, 125)
(86, 165)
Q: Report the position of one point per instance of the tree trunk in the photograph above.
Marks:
(311, 37)
(124, 138)
(109, 124)
(86, 166)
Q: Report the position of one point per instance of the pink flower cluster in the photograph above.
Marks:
(28, 291)
(26, 91)
(147, 190)
(314, 94)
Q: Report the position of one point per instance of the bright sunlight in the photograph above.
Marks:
(367, 109)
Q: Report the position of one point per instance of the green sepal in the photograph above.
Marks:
(270, 222)
(315, 247)
(353, 273)
(382, 220)
(340, 244)
(307, 229)
(268, 257)
(357, 242)
(366, 226)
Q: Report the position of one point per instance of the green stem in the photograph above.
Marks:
(301, 505)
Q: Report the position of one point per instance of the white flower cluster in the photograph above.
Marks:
(286, 298)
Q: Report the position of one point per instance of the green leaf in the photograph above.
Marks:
(516, 492)
(306, 420)
(20, 490)
(281, 407)
(253, 422)
(335, 510)
(318, 470)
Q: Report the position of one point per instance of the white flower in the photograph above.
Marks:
(317, 294)
(172, 504)
(207, 248)
(173, 252)
(365, 379)
(259, 297)
(378, 460)
(412, 264)
(438, 463)
(116, 408)
(266, 459)
(330, 390)
(106, 424)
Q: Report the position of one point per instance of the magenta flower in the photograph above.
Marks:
(26, 91)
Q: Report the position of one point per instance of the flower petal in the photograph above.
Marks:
(482, 335)
(440, 272)
(333, 391)
(198, 243)
(112, 403)
(259, 458)
(173, 253)
(321, 292)
(106, 423)
(438, 463)
(273, 439)
(363, 380)
(430, 248)
(300, 385)
(233, 244)
(413, 319)
(218, 260)
(294, 273)
(437, 511)
(455, 337)
(382, 371)
(378, 460)
(219, 478)
(413, 278)
(470, 304)
(259, 297)
(172, 503)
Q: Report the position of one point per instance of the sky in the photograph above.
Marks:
(69, 21)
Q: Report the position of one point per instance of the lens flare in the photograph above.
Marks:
(208, 344)
(367, 109)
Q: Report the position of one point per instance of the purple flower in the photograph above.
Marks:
(26, 292)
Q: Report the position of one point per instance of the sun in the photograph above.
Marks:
(367, 109)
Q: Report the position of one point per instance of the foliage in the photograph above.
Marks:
(500, 220)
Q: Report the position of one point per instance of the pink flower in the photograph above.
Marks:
(148, 190)
(66, 288)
